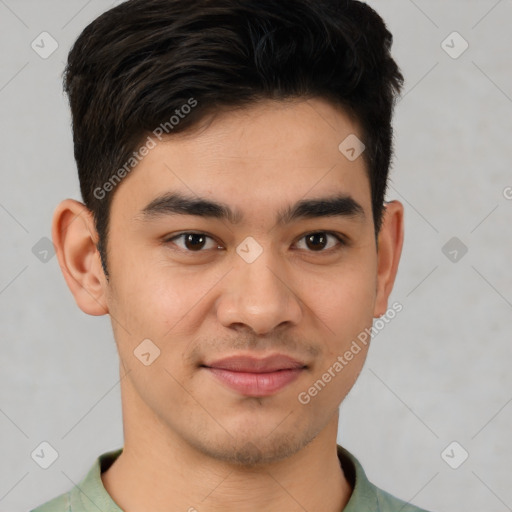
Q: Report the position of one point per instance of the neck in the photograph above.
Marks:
(159, 471)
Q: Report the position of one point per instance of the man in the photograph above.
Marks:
(233, 159)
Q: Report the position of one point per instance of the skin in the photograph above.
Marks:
(190, 442)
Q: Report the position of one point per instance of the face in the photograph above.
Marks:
(245, 252)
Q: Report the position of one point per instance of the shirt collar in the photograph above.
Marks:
(90, 494)
(363, 495)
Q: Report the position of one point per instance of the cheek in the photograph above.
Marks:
(343, 303)
(342, 298)
(345, 312)
(158, 300)
(154, 305)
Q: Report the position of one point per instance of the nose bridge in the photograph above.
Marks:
(260, 278)
(257, 295)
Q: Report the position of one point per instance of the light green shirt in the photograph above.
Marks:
(91, 496)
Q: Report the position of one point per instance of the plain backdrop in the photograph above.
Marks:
(437, 374)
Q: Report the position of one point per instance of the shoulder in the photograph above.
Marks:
(59, 504)
(389, 503)
(90, 488)
(366, 496)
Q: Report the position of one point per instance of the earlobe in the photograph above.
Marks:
(75, 238)
(391, 238)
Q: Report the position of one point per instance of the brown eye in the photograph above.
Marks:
(319, 241)
(316, 241)
(193, 242)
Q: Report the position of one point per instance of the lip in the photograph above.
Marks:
(256, 377)
(251, 364)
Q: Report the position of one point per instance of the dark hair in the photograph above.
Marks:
(137, 65)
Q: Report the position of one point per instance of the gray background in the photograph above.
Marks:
(438, 373)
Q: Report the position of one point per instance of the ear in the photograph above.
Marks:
(75, 238)
(391, 239)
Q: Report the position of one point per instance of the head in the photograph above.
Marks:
(222, 214)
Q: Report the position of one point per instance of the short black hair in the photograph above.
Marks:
(149, 65)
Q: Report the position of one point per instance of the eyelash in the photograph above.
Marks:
(342, 241)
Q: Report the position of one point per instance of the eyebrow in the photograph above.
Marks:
(341, 205)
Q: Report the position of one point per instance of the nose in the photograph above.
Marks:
(258, 295)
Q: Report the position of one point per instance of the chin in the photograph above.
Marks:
(250, 449)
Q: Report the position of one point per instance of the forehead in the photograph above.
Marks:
(257, 158)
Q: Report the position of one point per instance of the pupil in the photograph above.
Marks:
(194, 241)
(316, 241)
